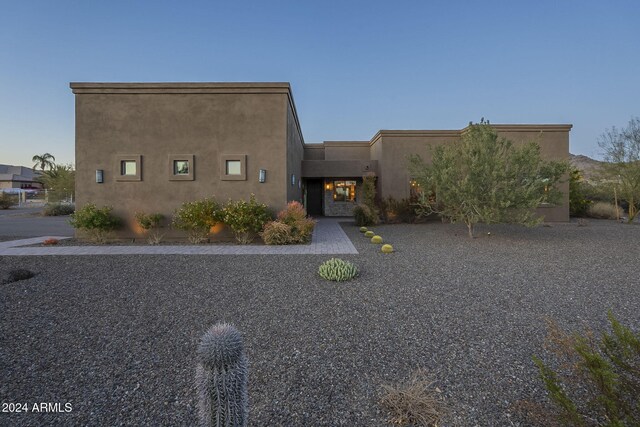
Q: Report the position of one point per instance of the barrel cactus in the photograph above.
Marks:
(387, 248)
(221, 378)
(376, 239)
(337, 270)
(369, 234)
(363, 229)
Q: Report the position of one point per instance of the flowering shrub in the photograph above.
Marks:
(245, 218)
(97, 222)
(197, 218)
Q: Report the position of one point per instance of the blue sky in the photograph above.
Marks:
(355, 66)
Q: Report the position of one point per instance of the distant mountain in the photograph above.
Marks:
(588, 166)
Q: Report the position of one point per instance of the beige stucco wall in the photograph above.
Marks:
(154, 121)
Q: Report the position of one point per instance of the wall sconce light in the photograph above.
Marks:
(99, 176)
(299, 184)
(262, 176)
(329, 186)
(293, 180)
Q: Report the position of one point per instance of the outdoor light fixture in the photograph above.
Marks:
(262, 176)
(329, 186)
(293, 180)
(99, 176)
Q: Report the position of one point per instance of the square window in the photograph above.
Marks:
(128, 168)
(181, 167)
(233, 167)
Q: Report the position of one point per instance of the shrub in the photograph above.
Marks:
(245, 219)
(295, 216)
(150, 223)
(222, 378)
(386, 248)
(396, 211)
(597, 380)
(197, 218)
(376, 240)
(578, 202)
(7, 200)
(276, 233)
(363, 229)
(97, 222)
(363, 215)
(604, 210)
(58, 209)
(337, 270)
(369, 197)
(416, 402)
(369, 233)
(50, 242)
(300, 225)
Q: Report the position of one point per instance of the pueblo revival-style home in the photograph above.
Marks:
(152, 146)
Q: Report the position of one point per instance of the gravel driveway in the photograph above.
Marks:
(116, 336)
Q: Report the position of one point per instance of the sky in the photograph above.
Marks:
(355, 66)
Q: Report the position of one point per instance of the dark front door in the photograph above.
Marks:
(314, 197)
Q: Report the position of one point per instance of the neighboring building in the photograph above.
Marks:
(19, 177)
(152, 146)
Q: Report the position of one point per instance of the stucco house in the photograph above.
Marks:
(152, 146)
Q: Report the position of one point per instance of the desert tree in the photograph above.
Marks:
(484, 178)
(621, 152)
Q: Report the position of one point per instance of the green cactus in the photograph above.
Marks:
(369, 234)
(363, 229)
(376, 239)
(221, 378)
(387, 248)
(337, 270)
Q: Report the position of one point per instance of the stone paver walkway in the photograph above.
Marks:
(328, 238)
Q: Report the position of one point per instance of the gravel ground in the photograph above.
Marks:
(116, 336)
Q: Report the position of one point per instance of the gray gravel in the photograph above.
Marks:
(116, 336)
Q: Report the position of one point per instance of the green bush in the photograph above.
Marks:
(245, 219)
(7, 200)
(150, 223)
(197, 218)
(337, 270)
(97, 222)
(57, 209)
(578, 202)
(295, 216)
(598, 383)
(369, 233)
(276, 233)
(363, 229)
(363, 215)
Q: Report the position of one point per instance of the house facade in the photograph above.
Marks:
(152, 146)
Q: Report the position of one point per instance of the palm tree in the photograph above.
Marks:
(45, 160)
